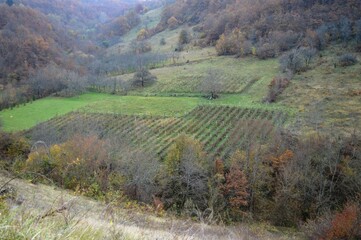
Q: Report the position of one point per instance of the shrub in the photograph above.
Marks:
(347, 60)
(162, 42)
(292, 61)
(266, 51)
(80, 164)
(12, 147)
(142, 34)
(172, 22)
(275, 88)
(346, 224)
(341, 225)
(184, 37)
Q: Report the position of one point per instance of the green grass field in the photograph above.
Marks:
(25, 117)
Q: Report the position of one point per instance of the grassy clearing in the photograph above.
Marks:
(24, 117)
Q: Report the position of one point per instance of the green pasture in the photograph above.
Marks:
(27, 116)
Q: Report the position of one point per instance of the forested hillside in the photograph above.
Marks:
(29, 40)
(269, 25)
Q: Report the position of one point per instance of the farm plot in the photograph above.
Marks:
(235, 75)
(221, 129)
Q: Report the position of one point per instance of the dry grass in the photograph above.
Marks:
(45, 212)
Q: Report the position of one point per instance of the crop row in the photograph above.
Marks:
(221, 129)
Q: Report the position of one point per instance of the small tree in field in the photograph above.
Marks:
(143, 78)
(183, 39)
(211, 84)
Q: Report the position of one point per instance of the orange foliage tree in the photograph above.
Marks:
(346, 224)
(235, 188)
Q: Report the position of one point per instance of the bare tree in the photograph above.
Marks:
(140, 170)
(143, 78)
(211, 84)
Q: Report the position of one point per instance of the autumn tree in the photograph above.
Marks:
(235, 188)
(142, 34)
(266, 50)
(81, 163)
(172, 23)
(211, 84)
(232, 44)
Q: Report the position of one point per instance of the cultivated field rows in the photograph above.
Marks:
(221, 129)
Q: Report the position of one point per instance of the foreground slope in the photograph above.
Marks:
(40, 211)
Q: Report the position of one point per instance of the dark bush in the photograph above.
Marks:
(347, 60)
(162, 42)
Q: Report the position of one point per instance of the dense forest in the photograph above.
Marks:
(221, 111)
